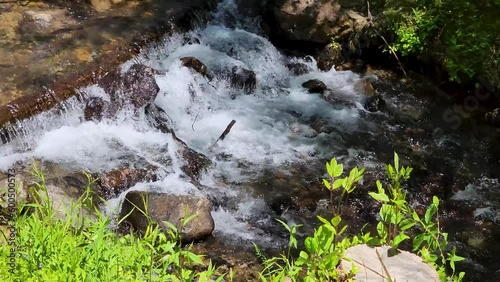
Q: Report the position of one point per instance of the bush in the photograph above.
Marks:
(461, 35)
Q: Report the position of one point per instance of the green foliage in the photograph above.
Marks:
(325, 249)
(347, 184)
(395, 214)
(458, 34)
(55, 249)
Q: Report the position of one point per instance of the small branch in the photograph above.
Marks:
(192, 125)
(383, 265)
(226, 132)
(370, 20)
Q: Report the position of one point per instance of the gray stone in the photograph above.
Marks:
(375, 265)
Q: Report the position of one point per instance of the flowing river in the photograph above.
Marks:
(271, 163)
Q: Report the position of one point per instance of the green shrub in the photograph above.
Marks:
(461, 35)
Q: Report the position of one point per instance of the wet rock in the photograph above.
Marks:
(314, 86)
(95, 109)
(313, 21)
(194, 163)
(36, 23)
(195, 64)
(103, 5)
(303, 130)
(365, 87)
(298, 68)
(330, 56)
(374, 103)
(337, 100)
(243, 79)
(113, 182)
(493, 117)
(137, 87)
(357, 66)
(172, 208)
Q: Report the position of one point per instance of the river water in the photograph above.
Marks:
(271, 163)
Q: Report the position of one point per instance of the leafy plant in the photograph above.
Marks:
(395, 214)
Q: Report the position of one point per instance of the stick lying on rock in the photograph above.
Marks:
(223, 135)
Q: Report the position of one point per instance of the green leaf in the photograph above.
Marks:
(329, 169)
(379, 187)
(431, 210)
(396, 161)
(400, 238)
(417, 241)
(195, 258)
(327, 184)
(284, 224)
(323, 220)
(435, 201)
(337, 183)
(379, 197)
(338, 170)
(406, 224)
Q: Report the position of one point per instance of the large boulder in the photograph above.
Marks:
(171, 208)
(313, 21)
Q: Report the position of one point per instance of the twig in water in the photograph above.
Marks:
(192, 125)
(223, 135)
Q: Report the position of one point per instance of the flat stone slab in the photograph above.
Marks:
(375, 265)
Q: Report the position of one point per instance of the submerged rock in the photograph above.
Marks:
(171, 208)
(243, 79)
(315, 86)
(298, 68)
(374, 103)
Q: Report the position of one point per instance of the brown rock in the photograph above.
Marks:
(36, 23)
(170, 208)
(137, 87)
(195, 64)
(314, 21)
(314, 86)
(365, 87)
(113, 182)
(83, 54)
(101, 5)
